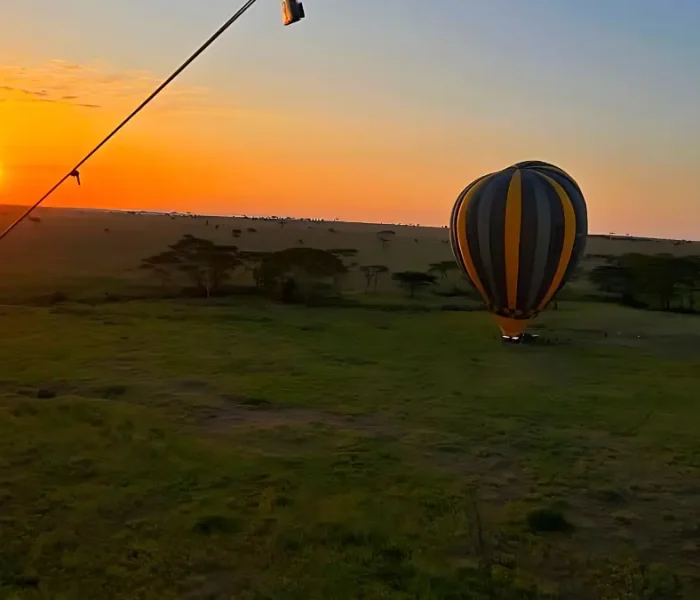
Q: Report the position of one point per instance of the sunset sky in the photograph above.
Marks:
(372, 110)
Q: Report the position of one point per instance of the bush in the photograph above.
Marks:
(541, 520)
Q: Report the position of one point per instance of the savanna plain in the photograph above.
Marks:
(371, 443)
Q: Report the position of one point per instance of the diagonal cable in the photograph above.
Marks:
(74, 171)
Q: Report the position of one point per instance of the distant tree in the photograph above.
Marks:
(687, 276)
(252, 263)
(161, 266)
(443, 268)
(34, 219)
(251, 230)
(301, 271)
(657, 276)
(332, 230)
(385, 237)
(236, 233)
(662, 280)
(344, 254)
(372, 275)
(612, 279)
(412, 281)
(202, 263)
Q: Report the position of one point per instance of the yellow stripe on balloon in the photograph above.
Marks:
(569, 239)
(514, 215)
(461, 225)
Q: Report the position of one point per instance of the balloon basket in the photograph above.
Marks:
(523, 338)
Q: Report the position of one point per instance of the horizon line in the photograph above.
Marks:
(292, 218)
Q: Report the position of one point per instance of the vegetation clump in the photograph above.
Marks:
(661, 281)
(548, 520)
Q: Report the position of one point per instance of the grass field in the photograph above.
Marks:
(170, 450)
(247, 450)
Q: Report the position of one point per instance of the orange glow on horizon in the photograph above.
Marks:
(237, 164)
(183, 154)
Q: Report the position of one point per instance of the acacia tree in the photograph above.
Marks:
(372, 275)
(412, 281)
(689, 268)
(252, 261)
(161, 266)
(612, 279)
(300, 271)
(344, 252)
(660, 279)
(385, 237)
(204, 264)
(443, 268)
(346, 255)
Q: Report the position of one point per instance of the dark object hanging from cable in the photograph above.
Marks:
(292, 12)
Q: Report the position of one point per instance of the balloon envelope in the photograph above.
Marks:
(518, 234)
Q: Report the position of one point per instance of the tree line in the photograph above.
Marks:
(200, 267)
(660, 281)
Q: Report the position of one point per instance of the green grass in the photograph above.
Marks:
(180, 450)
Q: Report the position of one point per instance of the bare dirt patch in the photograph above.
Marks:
(243, 411)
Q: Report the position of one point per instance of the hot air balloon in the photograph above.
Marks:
(518, 234)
